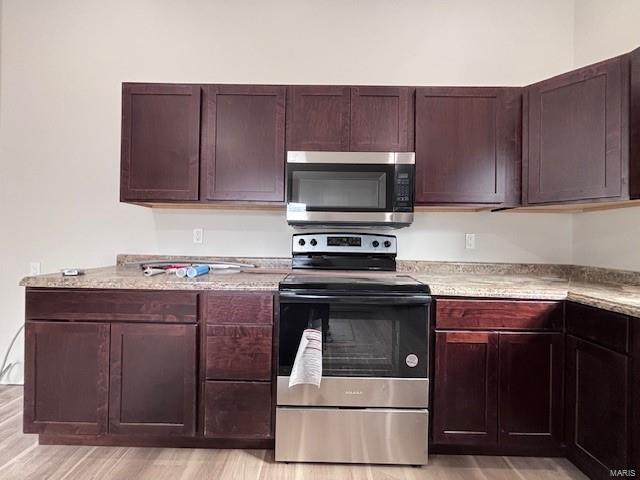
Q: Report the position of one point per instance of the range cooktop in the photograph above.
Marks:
(351, 283)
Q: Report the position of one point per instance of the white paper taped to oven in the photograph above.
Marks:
(307, 367)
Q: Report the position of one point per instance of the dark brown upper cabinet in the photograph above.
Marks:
(160, 142)
(468, 148)
(318, 118)
(340, 119)
(381, 119)
(243, 143)
(581, 134)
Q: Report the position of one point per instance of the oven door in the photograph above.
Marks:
(374, 349)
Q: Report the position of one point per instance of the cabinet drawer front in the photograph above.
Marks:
(605, 328)
(498, 314)
(116, 305)
(238, 352)
(238, 308)
(237, 409)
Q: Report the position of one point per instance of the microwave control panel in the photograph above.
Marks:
(404, 187)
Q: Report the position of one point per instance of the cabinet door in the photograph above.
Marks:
(574, 148)
(66, 378)
(530, 392)
(318, 118)
(635, 393)
(153, 379)
(381, 119)
(468, 145)
(466, 388)
(237, 409)
(160, 142)
(243, 143)
(598, 420)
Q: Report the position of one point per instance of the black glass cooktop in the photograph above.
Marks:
(353, 283)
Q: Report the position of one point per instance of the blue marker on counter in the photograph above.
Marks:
(197, 270)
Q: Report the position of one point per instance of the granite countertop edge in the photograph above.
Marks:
(613, 297)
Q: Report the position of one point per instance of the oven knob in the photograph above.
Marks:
(301, 242)
(411, 360)
(375, 244)
(387, 243)
(313, 242)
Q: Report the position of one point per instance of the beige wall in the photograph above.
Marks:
(62, 63)
(604, 29)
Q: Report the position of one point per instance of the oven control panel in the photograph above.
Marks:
(343, 242)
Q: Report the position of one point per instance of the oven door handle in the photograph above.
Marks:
(286, 297)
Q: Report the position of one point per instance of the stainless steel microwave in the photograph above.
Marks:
(350, 188)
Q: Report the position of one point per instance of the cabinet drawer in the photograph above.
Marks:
(498, 314)
(238, 352)
(114, 305)
(237, 409)
(600, 326)
(238, 308)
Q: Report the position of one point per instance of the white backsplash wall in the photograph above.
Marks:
(500, 237)
(62, 63)
(610, 239)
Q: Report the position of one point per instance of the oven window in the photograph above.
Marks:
(341, 187)
(357, 340)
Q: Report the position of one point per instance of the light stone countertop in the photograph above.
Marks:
(131, 278)
(513, 283)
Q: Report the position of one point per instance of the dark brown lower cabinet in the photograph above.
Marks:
(239, 352)
(66, 378)
(153, 379)
(465, 386)
(498, 392)
(530, 392)
(237, 409)
(635, 393)
(598, 416)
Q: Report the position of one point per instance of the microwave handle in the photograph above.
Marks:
(286, 297)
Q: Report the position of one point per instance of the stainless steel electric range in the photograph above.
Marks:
(372, 403)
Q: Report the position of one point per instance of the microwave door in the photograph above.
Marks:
(341, 188)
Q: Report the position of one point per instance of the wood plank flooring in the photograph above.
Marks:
(22, 458)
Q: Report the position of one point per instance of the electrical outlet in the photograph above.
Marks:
(470, 241)
(34, 268)
(198, 235)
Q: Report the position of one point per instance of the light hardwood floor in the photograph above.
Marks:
(22, 458)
